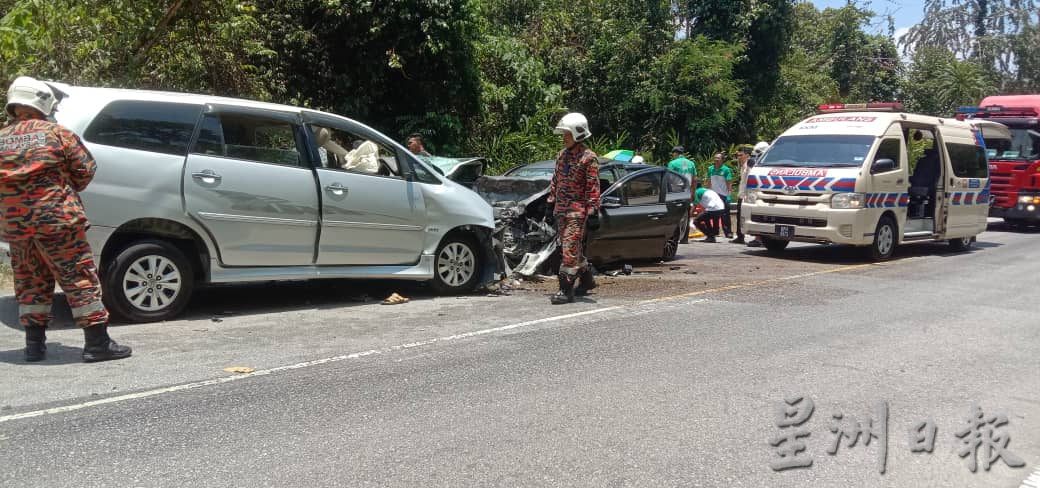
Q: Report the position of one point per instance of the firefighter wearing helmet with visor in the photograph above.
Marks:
(43, 167)
(574, 198)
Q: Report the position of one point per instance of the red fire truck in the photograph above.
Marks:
(1014, 165)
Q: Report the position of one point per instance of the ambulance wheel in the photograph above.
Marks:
(884, 239)
(961, 244)
(149, 281)
(774, 245)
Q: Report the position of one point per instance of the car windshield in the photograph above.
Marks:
(819, 151)
(1023, 146)
(532, 171)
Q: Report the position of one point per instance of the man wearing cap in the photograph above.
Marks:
(683, 166)
(573, 198)
(43, 167)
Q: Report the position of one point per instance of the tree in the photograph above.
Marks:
(397, 65)
(963, 83)
(983, 31)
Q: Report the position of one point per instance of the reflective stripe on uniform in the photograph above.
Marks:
(87, 309)
(33, 308)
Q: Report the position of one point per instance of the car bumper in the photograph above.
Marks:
(811, 224)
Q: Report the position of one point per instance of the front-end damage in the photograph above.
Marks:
(524, 236)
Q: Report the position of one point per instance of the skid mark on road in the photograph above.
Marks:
(410, 345)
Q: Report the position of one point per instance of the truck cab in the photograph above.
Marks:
(1014, 163)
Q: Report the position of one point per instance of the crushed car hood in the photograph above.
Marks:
(460, 170)
(514, 194)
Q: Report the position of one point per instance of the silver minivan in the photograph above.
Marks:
(194, 189)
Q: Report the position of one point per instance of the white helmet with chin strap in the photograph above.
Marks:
(576, 124)
(31, 92)
(760, 148)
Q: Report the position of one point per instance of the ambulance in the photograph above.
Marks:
(845, 176)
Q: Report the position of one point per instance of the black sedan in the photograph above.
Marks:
(610, 170)
(644, 215)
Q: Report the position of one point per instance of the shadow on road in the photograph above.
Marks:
(217, 301)
(850, 255)
(57, 354)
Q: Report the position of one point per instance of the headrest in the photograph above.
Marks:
(322, 135)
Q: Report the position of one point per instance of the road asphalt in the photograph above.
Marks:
(668, 377)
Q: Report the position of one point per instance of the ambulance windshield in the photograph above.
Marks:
(819, 151)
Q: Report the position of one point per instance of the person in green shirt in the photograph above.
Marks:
(683, 166)
(719, 179)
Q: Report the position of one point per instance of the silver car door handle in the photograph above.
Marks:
(336, 188)
(206, 174)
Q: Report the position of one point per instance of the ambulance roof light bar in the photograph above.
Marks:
(860, 107)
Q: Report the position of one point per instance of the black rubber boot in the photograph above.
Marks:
(35, 343)
(100, 347)
(586, 282)
(566, 293)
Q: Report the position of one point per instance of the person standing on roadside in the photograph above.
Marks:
(756, 155)
(683, 166)
(43, 167)
(573, 198)
(719, 178)
(743, 158)
(417, 145)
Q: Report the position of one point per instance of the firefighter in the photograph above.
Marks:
(573, 198)
(43, 167)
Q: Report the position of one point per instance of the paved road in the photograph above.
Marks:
(641, 385)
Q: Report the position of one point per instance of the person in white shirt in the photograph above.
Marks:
(714, 208)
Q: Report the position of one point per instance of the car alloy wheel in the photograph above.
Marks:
(456, 264)
(152, 283)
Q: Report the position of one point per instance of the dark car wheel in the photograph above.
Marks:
(456, 266)
(671, 246)
(148, 281)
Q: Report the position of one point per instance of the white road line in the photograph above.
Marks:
(370, 352)
(1033, 481)
(264, 372)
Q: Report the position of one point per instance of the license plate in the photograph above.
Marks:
(785, 231)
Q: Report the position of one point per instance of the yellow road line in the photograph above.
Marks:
(755, 283)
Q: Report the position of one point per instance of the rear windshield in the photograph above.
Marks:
(819, 151)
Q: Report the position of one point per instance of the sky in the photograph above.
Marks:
(906, 13)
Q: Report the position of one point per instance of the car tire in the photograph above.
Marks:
(456, 265)
(961, 244)
(774, 245)
(148, 281)
(671, 245)
(884, 239)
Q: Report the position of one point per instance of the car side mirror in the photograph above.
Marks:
(883, 165)
(611, 202)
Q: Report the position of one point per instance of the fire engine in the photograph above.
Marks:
(1014, 165)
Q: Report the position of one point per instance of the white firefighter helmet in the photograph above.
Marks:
(576, 124)
(637, 159)
(31, 92)
(760, 148)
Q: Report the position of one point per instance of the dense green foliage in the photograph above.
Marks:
(491, 77)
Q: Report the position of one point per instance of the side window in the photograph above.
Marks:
(676, 183)
(345, 150)
(643, 190)
(606, 178)
(890, 149)
(160, 127)
(249, 138)
(968, 161)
